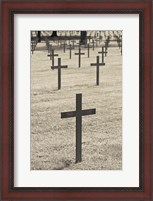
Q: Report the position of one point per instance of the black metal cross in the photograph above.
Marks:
(49, 51)
(102, 52)
(120, 43)
(59, 71)
(79, 53)
(52, 55)
(70, 48)
(88, 50)
(107, 43)
(93, 44)
(97, 65)
(33, 45)
(78, 114)
(121, 48)
(106, 46)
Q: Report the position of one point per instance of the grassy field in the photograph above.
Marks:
(52, 138)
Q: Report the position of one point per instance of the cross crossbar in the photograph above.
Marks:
(56, 67)
(52, 55)
(73, 113)
(95, 64)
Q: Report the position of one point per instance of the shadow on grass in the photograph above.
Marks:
(66, 164)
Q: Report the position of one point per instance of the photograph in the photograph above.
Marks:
(76, 100)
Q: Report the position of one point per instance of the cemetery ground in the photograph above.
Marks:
(53, 140)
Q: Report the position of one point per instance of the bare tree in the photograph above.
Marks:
(83, 37)
(54, 34)
(39, 36)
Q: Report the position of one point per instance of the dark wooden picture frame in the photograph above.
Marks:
(11, 7)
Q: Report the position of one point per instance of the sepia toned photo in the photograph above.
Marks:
(76, 100)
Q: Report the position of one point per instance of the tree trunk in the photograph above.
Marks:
(54, 34)
(39, 36)
(83, 38)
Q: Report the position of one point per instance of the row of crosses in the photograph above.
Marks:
(59, 66)
(51, 55)
(118, 39)
(78, 113)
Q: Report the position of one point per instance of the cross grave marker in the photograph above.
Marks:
(78, 114)
(106, 48)
(79, 54)
(33, 45)
(52, 55)
(93, 45)
(88, 46)
(59, 66)
(97, 69)
(120, 43)
(70, 48)
(49, 51)
(102, 52)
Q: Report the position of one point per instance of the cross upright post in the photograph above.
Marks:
(102, 52)
(78, 114)
(106, 48)
(88, 46)
(50, 51)
(93, 44)
(119, 41)
(59, 71)
(78, 128)
(70, 51)
(32, 46)
(52, 55)
(70, 48)
(121, 48)
(64, 47)
(88, 51)
(32, 49)
(97, 69)
(79, 54)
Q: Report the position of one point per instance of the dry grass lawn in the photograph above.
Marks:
(53, 138)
